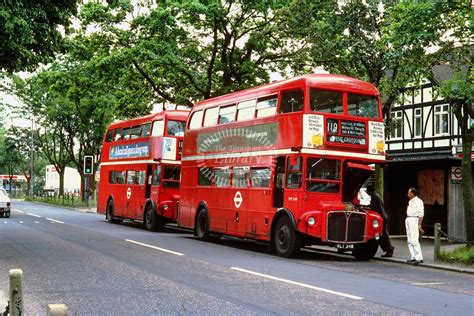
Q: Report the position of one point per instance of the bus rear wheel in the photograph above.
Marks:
(110, 212)
(202, 225)
(151, 219)
(286, 242)
(366, 251)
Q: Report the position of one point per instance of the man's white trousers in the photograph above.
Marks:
(411, 224)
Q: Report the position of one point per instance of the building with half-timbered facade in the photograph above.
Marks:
(423, 151)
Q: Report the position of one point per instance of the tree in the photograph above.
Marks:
(459, 90)
(14, 158)
(184, 51)
(383, 42)
(29, 31)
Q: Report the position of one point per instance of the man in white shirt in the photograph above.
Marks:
(415, 213)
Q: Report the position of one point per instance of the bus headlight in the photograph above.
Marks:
(311, 221)
(377, 236)
(165, 206)
(375, 223)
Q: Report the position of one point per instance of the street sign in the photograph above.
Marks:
(456, 175)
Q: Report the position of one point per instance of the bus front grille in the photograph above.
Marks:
(346, 226)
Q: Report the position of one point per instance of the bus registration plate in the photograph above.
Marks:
(345, 246)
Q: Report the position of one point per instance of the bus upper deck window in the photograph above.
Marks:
(118, 134)
(326, 101)
(158, 128)
(210, 116)
(227, 114)
(291, 101)
(126, 133)
(266, 106)
(110, 136)
(146, 128)
(362, 105)
(246, 110)
(176, 128)
(196, 120)
(135, 132)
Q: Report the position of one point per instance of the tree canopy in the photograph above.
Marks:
(29, 31)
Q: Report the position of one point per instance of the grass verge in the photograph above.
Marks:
(463, 255)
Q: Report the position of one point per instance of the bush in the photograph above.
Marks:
(463, 255)
(66, 200)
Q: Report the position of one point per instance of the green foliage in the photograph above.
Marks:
(29, 31)
(184, 51)
(463, 255)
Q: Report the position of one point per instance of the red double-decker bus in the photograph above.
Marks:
(140, 169)
(283, 163)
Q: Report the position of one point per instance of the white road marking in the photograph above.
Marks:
(17, 210)
(298, 283)
(154, 247)
(21, 222)
(428, 283)
(54, 221)
(37, 222)
(31, 214)
(5, 222)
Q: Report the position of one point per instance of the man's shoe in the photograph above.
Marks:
(387, 255)
(417, 261)
(411, 260)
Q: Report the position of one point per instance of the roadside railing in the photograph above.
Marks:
(15, 298)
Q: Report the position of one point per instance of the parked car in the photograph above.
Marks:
(5, 203)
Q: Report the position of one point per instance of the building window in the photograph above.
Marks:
(441, 119)
(417, 123)
(397, 124)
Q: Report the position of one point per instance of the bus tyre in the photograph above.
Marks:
(110, 212)
(151, 218)
(366, 251)
(286, 241)
(7, 214)
(202, 225)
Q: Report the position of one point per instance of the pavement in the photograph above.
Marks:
(401, 254)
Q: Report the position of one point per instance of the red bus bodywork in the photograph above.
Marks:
(283, 163)
(140, 169)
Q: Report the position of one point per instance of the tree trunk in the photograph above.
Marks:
(61, 182)
(467, 182)
(379, 178)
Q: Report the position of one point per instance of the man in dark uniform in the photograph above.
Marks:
(376, 205)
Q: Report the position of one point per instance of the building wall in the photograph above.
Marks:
(456, 222)
(424, 160)
(72, 179)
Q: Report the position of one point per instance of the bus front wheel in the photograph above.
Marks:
(286, 242)
(202, 225)
(366, 251)
(151, 220)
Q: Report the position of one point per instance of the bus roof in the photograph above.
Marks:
(179, 115)
(321, 81)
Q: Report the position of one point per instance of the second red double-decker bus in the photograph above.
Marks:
(283, 163)
(140, 169)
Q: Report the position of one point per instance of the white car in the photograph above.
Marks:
(4, 203)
